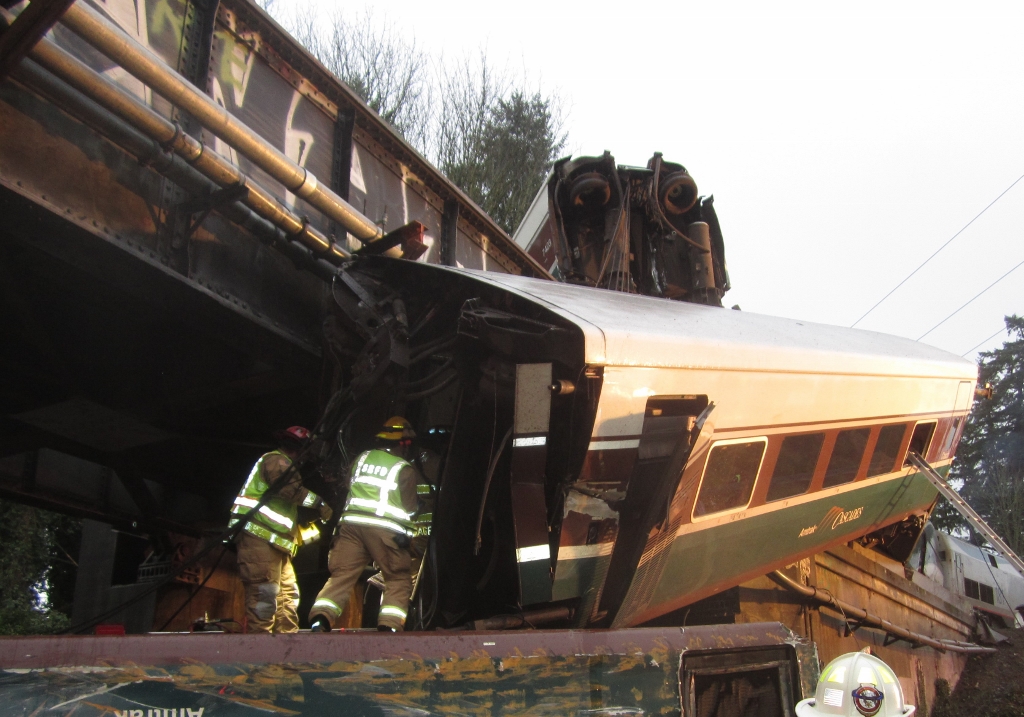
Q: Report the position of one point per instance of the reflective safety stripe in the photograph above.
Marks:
(284, 520)
(422, 489)
(310, 500)
(359, 465)
(377, 523)
(309, 533)
(253, 474)
(381, 505)
(381, 509)
(532, 441)
(328, 604)
(269, 535)
(533, 552)
(609, 444)
(392, 610)
(370, 480)
(375, 492)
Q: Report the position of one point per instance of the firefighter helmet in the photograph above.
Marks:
(856, 684)
(296, 435)
(396, 428)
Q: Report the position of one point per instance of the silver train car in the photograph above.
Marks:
(622, 456)
(988, 582)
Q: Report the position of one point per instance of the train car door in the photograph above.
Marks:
(673, 427)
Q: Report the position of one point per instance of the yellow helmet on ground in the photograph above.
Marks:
(396, 428)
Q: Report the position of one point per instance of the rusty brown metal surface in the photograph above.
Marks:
(215, 648)
(620, 672)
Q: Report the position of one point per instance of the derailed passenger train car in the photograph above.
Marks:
(611, 458)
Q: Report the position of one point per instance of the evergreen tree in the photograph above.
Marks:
(990, 459)
(509, 158)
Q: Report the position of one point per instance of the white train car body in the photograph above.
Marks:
(987, 581)
(698, 447)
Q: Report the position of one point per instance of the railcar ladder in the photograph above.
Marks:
(976, 521)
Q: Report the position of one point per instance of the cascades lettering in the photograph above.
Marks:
(847, 517)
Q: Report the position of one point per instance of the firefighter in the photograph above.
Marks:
(376, 524)
(428, 464)
(272, 536)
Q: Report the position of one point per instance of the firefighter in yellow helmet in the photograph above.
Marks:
(272, 535)
(376, 525)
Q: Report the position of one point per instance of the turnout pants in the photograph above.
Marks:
(353, 548)
(271, 593)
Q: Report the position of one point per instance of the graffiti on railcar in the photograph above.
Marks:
(642, 683)
(244, 84)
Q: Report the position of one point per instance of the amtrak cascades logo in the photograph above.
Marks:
(835, 517)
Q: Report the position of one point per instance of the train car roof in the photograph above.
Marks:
(632, 330)
(962, 546)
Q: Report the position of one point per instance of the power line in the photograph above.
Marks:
(971, 301)
(948, 241)
(984, 342)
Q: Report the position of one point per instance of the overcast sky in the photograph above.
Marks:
(844, 142)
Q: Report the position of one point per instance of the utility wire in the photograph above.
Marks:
(971, 301)
(984, 342)
(948, 241)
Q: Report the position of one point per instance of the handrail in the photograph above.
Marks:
(862, 616)
(216, 168)
(141, 62)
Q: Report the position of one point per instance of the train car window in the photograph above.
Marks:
(729, 475)
(987, 593)
(971, 589)
(947, 443)
(846, 456)
(887, 449)
(921, 439)
(794, 467)
(992, 560)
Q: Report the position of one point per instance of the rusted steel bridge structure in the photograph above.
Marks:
(178, 179)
